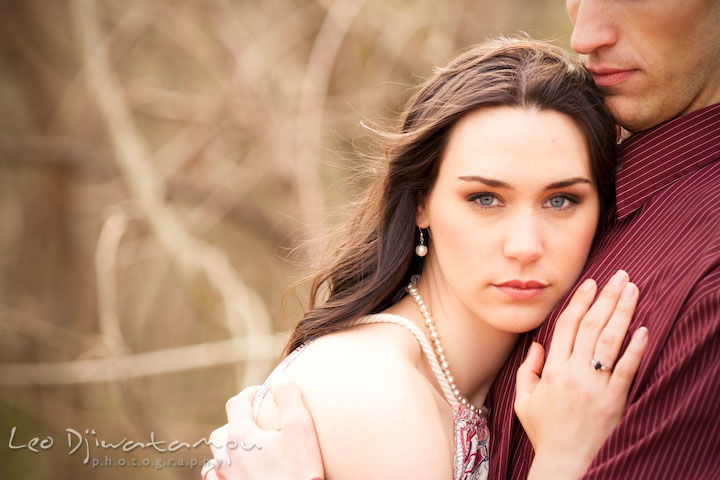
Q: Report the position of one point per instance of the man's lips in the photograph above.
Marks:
(521, 290)
(609, 77)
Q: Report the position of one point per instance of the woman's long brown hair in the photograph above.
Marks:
(367, 272)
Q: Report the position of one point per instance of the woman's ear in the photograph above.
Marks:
(421, 216)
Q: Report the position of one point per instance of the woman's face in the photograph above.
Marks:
(512, 214)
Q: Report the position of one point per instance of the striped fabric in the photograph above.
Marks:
(666, 235)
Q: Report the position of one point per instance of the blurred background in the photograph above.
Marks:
(165, 166)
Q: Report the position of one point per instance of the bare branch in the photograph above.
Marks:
(124, 367)
(245, 312)
(311, 108)
(107, 245)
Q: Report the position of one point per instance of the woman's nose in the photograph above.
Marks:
(523, 241)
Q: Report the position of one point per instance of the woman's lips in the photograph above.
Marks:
(519, 290)
(610, 77)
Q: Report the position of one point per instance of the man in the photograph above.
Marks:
(658, 62)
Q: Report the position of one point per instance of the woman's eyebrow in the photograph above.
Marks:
(568, 182)
(487, 181)
(491, 182)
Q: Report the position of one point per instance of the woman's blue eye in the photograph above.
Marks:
(485, 199)
(561, 202)
(558, 202)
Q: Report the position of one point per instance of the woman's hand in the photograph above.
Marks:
(569, 406)
(289, 453)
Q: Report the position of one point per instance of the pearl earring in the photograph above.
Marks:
(421, 250)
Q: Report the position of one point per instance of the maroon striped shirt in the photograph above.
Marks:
(666, 235)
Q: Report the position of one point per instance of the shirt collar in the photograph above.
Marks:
(655, 158)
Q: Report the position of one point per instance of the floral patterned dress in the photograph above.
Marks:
(470, 429)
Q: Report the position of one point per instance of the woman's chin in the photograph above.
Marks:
(521, 319)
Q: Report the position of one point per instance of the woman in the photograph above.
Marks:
(492, 194)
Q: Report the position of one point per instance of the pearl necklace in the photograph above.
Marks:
(440, 351)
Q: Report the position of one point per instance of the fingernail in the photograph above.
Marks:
(619, 277)
(587, 285)
(642, 333)
(629, 291)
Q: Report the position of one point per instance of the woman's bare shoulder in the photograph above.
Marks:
(366, 394)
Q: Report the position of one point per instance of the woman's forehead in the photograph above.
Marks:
(513, 142)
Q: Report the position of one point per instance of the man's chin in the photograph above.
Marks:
(630, 113)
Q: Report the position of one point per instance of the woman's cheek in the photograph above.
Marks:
(456, 240)
(578, 241)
